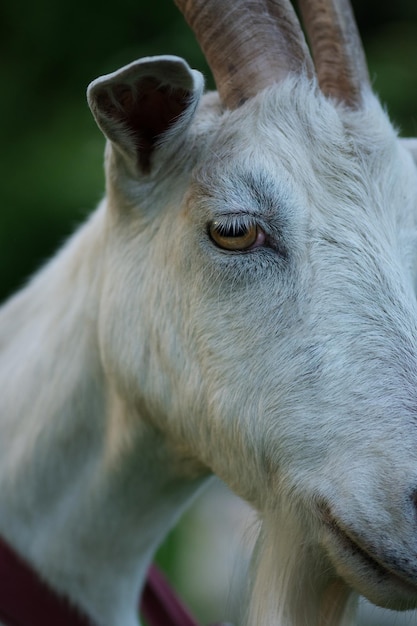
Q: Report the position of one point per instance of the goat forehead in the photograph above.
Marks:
(292, 131)
(293, 110)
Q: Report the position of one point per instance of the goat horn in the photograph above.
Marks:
(248, 44)
(336, 47)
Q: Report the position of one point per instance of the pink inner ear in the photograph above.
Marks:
(147, 109)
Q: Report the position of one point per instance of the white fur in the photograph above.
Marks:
(143, 358)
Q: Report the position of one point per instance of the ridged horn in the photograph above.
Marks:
(248, 44)
(337, 49)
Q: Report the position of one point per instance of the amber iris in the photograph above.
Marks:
(235, 237)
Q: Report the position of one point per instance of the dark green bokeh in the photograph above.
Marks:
(51, 151)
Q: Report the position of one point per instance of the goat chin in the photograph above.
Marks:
(313, 573)
(295, 583)
(378, 578)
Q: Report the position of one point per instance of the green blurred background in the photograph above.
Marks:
(51, 151)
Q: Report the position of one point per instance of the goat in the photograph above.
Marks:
(242, 303)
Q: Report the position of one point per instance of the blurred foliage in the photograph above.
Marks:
(51, 157)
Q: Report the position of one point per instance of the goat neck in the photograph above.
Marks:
(87, 488)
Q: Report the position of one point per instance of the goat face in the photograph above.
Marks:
(259, 309)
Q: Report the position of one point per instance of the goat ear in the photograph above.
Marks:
(145, 105)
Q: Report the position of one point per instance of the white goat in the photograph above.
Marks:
(242, 303)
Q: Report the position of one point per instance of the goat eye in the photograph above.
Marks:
(236, 236)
